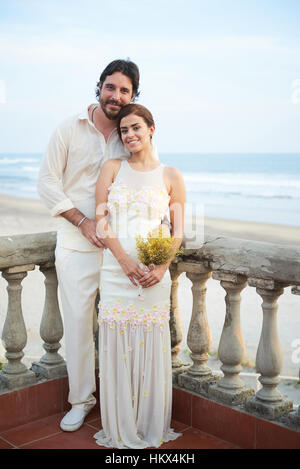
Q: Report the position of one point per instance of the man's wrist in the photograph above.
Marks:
(81, 221)
(73, 216)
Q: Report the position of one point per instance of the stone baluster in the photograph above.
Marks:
(198, 375)
(176, 327)
(14, 336)
(295, 415)
(52, 364)
(268, 400)
(231, 388)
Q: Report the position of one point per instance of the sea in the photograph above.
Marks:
(247, 187)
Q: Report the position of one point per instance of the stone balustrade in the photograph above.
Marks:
(233, 262)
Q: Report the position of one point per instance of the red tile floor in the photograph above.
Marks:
(46, 434)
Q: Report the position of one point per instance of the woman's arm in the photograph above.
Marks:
(103, 229)
(176, 189)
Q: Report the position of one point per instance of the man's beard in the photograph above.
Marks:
(111, 115)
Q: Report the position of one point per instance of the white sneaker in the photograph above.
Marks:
(74, 419)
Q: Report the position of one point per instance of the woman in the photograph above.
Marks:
(132, 198)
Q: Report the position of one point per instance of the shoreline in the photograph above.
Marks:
(24, 216)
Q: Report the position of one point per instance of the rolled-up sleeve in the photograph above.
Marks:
(50, 179)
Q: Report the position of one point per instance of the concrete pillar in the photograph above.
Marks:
(52, 364)
(231, 388)
(176, 326)
(268, 400)
(14, 336)
(199, 341)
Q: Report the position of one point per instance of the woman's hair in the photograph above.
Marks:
(138, 110)
(126, 67)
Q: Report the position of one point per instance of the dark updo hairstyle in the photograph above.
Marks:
(126, 67)
(138, 110)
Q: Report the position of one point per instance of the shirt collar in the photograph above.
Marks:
(84, 115)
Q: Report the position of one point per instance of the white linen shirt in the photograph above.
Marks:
(69, 172)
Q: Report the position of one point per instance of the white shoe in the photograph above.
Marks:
(74, 419)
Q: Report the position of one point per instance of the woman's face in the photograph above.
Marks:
(135, 133)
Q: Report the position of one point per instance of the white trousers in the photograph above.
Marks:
(78, 276)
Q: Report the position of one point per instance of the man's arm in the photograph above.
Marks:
(50, 188)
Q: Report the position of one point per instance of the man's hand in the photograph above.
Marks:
(88, 229)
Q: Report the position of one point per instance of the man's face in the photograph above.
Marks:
(115, 93)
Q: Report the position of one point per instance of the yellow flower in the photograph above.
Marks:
(145, 394)
(157, 249)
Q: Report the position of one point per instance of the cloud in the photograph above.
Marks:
(81, 46)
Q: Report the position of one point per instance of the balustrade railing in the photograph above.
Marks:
(233, 262)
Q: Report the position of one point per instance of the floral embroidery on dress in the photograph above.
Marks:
(120, 197)
(113, 314)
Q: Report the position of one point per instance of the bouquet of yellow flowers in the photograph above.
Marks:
(156, 249)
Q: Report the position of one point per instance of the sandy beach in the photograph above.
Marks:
(21, 216)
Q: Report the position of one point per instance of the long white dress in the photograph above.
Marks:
(134, 338)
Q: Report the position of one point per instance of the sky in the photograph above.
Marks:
(219, 76)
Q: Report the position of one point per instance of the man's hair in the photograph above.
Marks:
(126, 67)
(137, 110)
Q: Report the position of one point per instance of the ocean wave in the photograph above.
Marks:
(12, 161)
(33, 169)
(256, 179)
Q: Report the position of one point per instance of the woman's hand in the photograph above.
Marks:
(131, 269)
(153, 276)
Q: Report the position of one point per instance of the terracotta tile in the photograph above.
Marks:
(181, 406)
(81, 439)
(195, 439)
(223, 422)
(33, 430)
(29, 404)
(270, 435)
(5, 445)
(178, 426)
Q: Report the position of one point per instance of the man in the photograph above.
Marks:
(66, 184)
